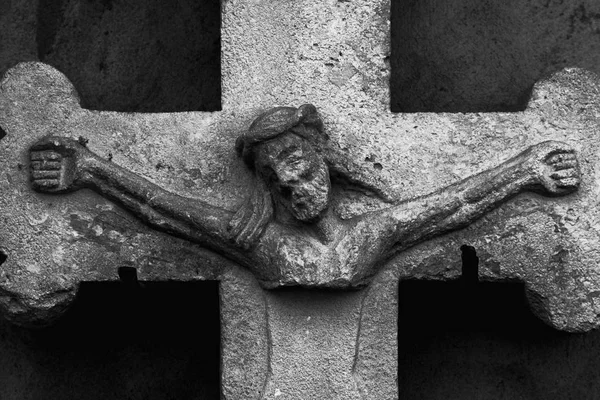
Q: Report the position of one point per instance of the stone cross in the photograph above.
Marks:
(299, 343)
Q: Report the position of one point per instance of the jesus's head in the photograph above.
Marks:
(296, 174)
(282, 146)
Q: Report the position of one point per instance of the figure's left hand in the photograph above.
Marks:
(555, 168)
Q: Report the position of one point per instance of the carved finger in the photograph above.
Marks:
(568, 183)
(45, 184)
(564, 164)
(47, 155)
(52, 156)
(562, 156)
(36, 156)
(46, 165)
(43, 174)
(564, 173)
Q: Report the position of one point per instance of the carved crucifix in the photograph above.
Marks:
(397, 180)
(286, 233)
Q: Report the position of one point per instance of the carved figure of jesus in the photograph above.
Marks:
(287, 232)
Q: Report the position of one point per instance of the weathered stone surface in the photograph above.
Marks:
(40, 287)
(15, 81)
(245, 337)
(552, 248)
(308, 358)
(270, 58)
(286, 232)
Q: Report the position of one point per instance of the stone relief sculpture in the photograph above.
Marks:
(287, 233)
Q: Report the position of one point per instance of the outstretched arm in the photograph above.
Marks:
(548, 168)
(61, 165)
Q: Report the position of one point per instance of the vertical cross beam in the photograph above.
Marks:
(333, 54)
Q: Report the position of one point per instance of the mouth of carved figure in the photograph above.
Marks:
(303, 213)
(307, 208)
(306, 200)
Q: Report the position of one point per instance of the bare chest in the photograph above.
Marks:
(287, 257)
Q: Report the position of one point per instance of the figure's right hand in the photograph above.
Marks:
(55, 164)
(555, 167)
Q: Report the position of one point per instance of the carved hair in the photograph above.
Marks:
(304, 121)
(249, 222)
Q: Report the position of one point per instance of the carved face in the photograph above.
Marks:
(296, 173)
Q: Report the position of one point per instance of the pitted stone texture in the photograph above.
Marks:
(331, 54)
(245, 337)
(333, 344)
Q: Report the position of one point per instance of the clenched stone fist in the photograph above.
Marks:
(56, 164)
(554, 167)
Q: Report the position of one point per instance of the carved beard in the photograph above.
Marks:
(310, 198)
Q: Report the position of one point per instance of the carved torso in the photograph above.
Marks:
(288, 256)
